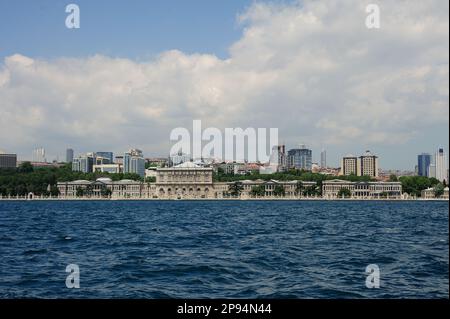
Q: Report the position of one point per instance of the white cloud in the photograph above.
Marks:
(312, 69)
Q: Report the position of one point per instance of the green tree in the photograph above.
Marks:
(258, 191)
(25, 167)
(105, 191)
(54, 191)
(279, 191)
(344, 192)
(393, 178)
(236, 189)
(414, 185)
(80, 192)
(310, 191)
(298, 187)
(439, 190)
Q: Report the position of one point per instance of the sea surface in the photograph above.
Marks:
(224, 249)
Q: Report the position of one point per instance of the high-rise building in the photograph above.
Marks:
(277, 159)
(107, 155)
(349, 165)
(432, 170)
(323, 159)
(84, 163)
(8, 160)
(38, 155)
(423, 163)
(365, 165)
(300, 158)
(69, 155)
(368, 165)
(134, 162)
(441, 165)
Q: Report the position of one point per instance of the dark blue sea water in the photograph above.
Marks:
(229, 249)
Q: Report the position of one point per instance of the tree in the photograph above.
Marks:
(298, 187)
(344, 192)
(310, 191)
(80, 192)
(279, 191)
(235, 189)
(414, 185)
(393, 178)
(54, 191)
(25, 167)
(439, 190)
(105, 191)
(258, 191)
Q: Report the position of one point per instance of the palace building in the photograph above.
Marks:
(331, 188)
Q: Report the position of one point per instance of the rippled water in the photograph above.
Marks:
(213, 249)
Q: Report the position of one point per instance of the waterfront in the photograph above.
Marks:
(241, 249)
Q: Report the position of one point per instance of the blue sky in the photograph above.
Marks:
(136, 29)
(135, 70)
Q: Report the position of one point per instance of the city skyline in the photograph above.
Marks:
(317, 159)
(327, 80)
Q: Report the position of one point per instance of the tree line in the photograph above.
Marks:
(43, 181)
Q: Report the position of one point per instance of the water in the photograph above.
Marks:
(224, 249)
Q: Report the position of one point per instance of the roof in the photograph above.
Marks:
(187, 165)
(127, 181)
(81, 181)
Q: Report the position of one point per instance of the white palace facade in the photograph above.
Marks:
(190, 181)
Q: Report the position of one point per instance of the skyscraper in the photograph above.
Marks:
(8, 160)
(69, 155)
(368, 165)
(432, 170)
(107, 155)
(423, 164)
(441, 165)
(300, 158)
(365, 165)
(323, 159)
(349, 165)
(134, 162)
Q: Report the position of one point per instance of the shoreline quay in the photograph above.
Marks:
(220, 199)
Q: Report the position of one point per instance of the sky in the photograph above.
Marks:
(135, 70)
